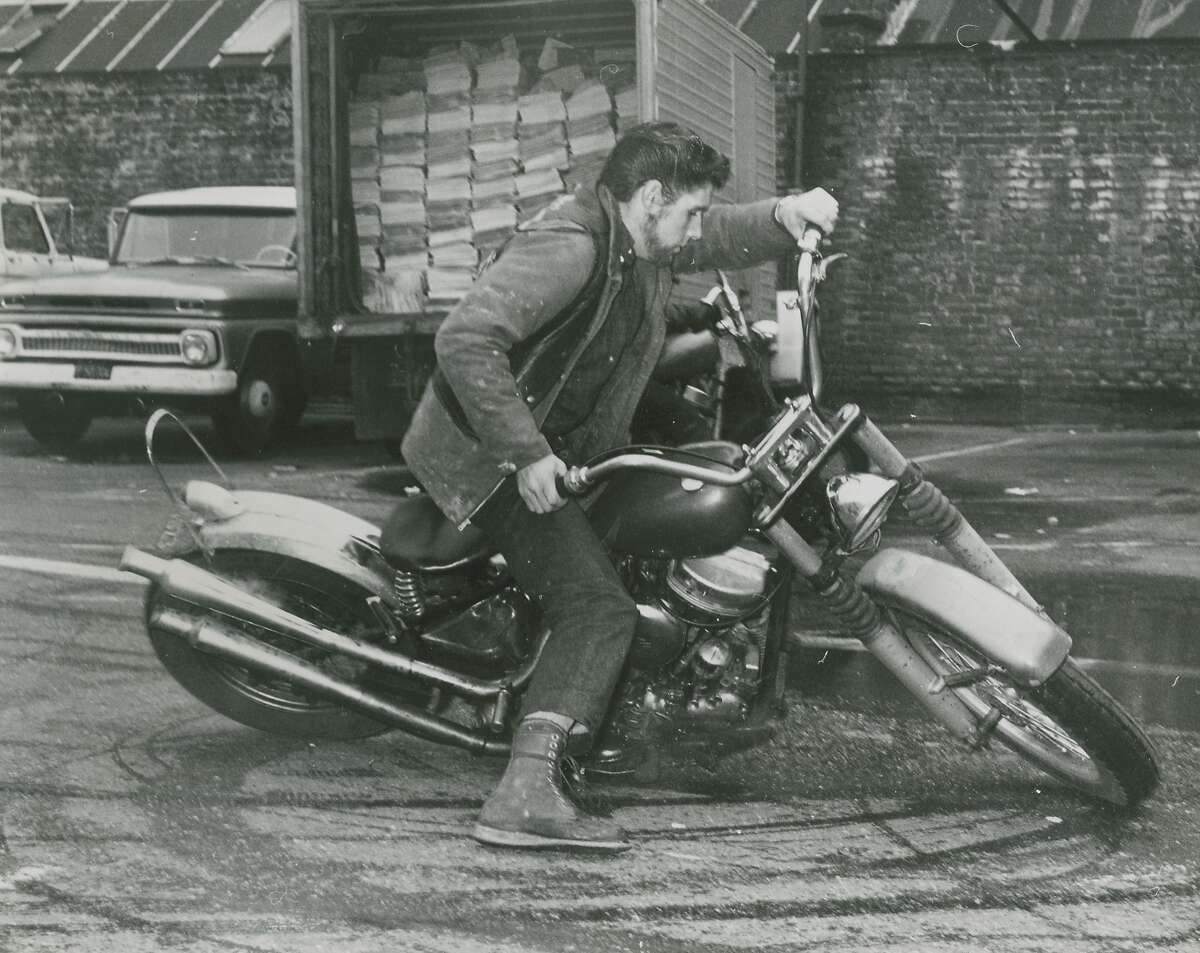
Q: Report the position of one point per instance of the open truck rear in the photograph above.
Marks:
(425, 129)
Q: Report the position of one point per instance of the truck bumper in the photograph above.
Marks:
(125, 379)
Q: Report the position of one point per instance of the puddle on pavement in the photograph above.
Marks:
(1138, 636)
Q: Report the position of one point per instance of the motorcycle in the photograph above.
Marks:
(294, 617)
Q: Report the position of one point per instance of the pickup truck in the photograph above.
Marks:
(27, 243)
(196, 310)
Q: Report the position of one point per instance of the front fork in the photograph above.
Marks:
(929, 508)
(847, 601)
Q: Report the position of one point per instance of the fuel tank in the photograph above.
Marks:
(648, 514)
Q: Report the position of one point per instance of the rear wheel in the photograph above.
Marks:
(56, 421)
(265, 701)
(1069, 726)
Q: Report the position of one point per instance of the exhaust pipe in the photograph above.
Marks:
(190, 583)
(212, 636)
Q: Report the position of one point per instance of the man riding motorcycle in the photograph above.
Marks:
(542, 365)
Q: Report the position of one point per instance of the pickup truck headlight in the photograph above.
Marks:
(198, 347)
(8, 343)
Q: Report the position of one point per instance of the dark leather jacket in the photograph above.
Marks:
(509, 346)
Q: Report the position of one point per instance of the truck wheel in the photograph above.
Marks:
(265, 406)
(56, 421)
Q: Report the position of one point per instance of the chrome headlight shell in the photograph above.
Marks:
(9, 342)
(860, 503)
(198, 347)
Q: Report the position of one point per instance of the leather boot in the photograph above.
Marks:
(529, 807)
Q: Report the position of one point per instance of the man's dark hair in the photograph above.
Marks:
(666, 151)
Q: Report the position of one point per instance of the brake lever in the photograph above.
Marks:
(822, 265)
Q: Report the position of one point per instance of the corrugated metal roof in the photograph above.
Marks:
(23, 31)
(201, 50)
(166, 33)
(976, 21)
(772, 25)
(58, 43)
(115, 36)
(262, 33)
(198, 34)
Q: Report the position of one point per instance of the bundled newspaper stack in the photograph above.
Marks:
(589, 130)
(494, 147)
(449, 151)
(625, 103)
(542, 134)
(402, 200)
(392, 76)
(448, 165)
(364, 180)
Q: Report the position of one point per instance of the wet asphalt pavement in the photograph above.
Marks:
(135, 820)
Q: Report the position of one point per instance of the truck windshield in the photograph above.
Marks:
(236, 236)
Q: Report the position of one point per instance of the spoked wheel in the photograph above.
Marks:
(265, 701)
(1069, 726)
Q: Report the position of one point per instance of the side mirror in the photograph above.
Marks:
(116, 218)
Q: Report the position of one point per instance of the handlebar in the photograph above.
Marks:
(578, 480)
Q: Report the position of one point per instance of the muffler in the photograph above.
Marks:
(190, 583)
(215, 637)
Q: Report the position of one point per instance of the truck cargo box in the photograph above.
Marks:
(425, 131)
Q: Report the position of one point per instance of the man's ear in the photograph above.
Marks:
(652, 193)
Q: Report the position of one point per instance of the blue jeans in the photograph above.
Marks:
(558, 560)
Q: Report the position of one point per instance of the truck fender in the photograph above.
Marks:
(292, 526)
(1029, 646)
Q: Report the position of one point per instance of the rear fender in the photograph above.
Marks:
(291, 526)
(1029, 646)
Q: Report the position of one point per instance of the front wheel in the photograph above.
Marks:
(267, 405)
(56, 421)
(1069, 726)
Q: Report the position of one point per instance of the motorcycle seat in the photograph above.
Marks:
(416, 536)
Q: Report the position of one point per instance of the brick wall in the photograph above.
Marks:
(1023, 227)
(100, 140)
(1023, 224)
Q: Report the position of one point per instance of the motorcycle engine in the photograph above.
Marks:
(701, 635)
(734, 584)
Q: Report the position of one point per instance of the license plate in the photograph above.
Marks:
(93, 371)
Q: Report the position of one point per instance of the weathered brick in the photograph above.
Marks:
(1050, 192)
(101, 140)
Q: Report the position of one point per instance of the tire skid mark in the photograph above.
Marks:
(124, 920)
(963, 899)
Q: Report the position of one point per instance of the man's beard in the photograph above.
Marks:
(655, 249)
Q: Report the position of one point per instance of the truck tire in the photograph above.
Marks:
(56, 421)
(266, 405)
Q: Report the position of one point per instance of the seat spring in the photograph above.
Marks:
(408, 593)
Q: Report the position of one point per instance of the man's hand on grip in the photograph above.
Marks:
(536, 484)
(814, 207)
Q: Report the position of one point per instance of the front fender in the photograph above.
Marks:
(1027, 645)
(289, 526)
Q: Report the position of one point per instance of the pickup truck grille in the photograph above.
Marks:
(110, 345)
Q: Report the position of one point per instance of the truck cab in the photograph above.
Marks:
(196, 309)
(27, 243)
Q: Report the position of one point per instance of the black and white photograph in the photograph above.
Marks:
(599, 476)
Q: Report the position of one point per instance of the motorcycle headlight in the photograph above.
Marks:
(8, 343)
(860, 503)
(198, 347)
